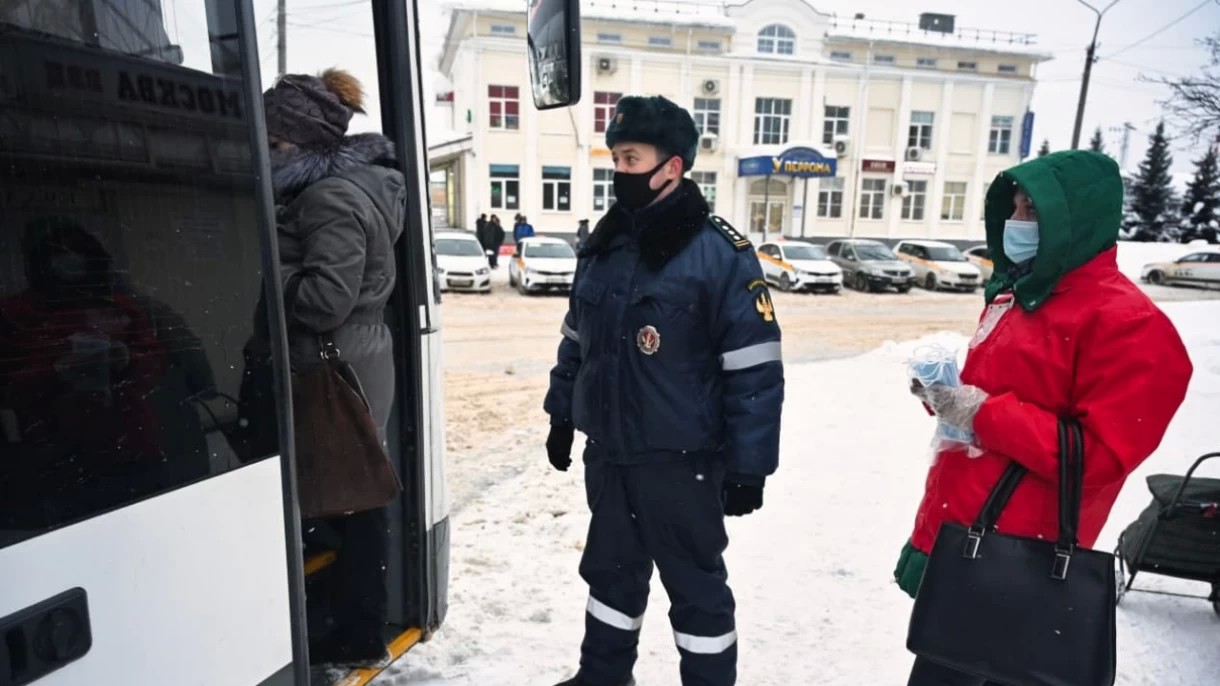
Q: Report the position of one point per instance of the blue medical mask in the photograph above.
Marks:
(1020, 240)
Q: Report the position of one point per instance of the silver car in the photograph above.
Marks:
(870, 266)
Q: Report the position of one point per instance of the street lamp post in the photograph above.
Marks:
(1090, 58)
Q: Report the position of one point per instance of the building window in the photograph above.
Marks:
(836, 123)
(709, 45)
(603, 189)
(771, 118)
(557, 189)
(707, 115)
(503, 107)
(1008, 69)
(707, 185)
(609, 38)
(505, 187)
(872, 199)
(777, 39)
(830, 198)
(603, 109)
(914, 201)
(503, 30)
(967, 66)
(920, 131)
(1000, 141)
(840, 56)
(660, 41)
(954, 207)
(926, 62)
(883, 59)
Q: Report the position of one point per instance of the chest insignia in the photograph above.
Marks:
(648, 339)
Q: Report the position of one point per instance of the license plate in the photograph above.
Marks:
(461, 283)
(823, 279)
(557, 280)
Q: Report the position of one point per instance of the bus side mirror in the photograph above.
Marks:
(554, 52)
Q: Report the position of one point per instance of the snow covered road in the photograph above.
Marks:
(811, 570)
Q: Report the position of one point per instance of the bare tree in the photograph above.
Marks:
(1195, 100)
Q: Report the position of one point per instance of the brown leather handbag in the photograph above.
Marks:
(342, 466)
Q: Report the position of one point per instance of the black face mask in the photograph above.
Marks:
(632, 190)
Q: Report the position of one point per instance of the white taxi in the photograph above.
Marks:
(542, 264)
(939, 265)
(1194, 269)
(980, 257)
(461, 263)
(795, 266)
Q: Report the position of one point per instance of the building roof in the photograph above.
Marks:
(668, 12)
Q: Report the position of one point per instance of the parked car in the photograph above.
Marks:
(980, 257)
(1195, 269)
(461, 263)
(939, 265)
(870, 266)
(542, 264)
(794, 266)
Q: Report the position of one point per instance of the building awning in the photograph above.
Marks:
(797, 161)
(449, 150)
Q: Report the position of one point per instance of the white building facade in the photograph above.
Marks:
(812, 125)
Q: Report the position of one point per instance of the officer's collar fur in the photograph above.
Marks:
(663, 232)
(295, 169)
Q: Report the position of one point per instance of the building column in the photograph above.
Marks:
(478, 174)
(974, 194)
(818, 116)
(582, 152)
(903, 116)
(742, 123)
(940, 151)
(852, 184)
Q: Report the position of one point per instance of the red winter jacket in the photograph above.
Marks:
(1098, 350)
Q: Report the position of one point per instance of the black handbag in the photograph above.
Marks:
(1020, 611)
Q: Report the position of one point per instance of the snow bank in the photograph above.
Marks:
(1133, 256)
(812, 570)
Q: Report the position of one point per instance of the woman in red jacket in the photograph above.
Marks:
(1064, 334)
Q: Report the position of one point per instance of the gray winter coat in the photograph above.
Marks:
(339, 214)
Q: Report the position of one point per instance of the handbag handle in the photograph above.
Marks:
(1071, 484)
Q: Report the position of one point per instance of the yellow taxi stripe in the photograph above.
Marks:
(398, 647)
(772, 260)
(317, 563)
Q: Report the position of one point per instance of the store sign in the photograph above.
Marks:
(795, 162)
(918, 169)
(878, 166)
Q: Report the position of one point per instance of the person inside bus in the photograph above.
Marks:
(91, 409)
(341, 207)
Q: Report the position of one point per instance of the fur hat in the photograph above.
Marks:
(311, 111)
(657, 121)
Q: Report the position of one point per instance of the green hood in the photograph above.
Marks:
(1078, 196)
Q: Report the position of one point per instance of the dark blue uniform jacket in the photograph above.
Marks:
(671, 343)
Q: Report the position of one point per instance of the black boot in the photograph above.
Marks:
(575, 681)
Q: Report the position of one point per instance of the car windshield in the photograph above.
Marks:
(549, 250)
(981, 252)
(872, 251)
(805, 252)
(458, 247)
(945, 253)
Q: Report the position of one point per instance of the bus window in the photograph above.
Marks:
(130, 268)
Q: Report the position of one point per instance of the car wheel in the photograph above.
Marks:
(930, 282)
(904, 289)
(521, 288)
(785, 283)
(861, 282)
(1157, 278)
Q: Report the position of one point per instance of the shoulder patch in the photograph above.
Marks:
(732, 235)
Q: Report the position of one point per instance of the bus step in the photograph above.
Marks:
(401, 641)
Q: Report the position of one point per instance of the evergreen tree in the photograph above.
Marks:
(1096, 144)
(1201, 207)
(1045, 149)
(1152, 204)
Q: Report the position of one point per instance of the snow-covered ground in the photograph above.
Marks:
(811, 570)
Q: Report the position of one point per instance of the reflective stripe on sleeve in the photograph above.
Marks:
(752, 356)
(612, 617)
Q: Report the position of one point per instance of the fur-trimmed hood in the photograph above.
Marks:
(663, 229)
(296, 169)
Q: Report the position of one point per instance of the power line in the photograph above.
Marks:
(1161, 30)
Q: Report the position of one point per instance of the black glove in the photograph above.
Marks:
(559, 446)
(741, 499)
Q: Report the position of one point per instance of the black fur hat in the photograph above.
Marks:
(657, 121)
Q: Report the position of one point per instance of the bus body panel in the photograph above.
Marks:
(166, 579)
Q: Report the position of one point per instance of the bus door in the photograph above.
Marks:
(136, 545)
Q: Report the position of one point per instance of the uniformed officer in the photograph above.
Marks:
(670, 365)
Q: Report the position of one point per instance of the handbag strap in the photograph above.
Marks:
(327, 349)
(998, 499)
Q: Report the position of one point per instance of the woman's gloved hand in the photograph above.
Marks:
(954, 405)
